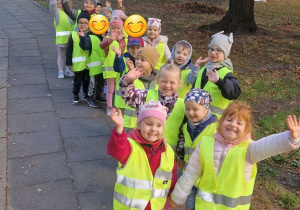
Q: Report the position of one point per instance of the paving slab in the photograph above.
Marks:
(28, 91)
(86, 148)
(24, 53)
(3, 80)
(55, 83)
(2, 159)
(30, 105)
(31, 40)
(63, 95)
(25, 60)
(32, 46)
(2, 193)
(26, 69)
(91, 176)
(19, 79)
(49, 196)
(3, 51)
(101, 199)
(3, 122)
(34, 143)
(37, 169)
(32, 122)
(3, 95)
(3, 64)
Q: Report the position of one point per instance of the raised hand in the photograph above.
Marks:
(117, 51)
(129, 63)
(213, 76)
(80, 33)
(107, 4)
(294, 126)
(133, 75)
(117, 118)
(199, 61)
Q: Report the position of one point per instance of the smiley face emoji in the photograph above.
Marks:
(135, 25)
(98, 24)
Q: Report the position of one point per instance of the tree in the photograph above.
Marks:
(238, 19)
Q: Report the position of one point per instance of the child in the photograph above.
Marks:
(226, 162)
(158, 41)
(168, 80)
(181, 54)
(146, 170)
(217, 76)
(90, 41)
(115, 38)
(98, 7)
(200, 122)
(107, 11)
(133, 47)
(76, 58)
(63, 27)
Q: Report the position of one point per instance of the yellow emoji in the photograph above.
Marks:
(135, 25)
(98, 24)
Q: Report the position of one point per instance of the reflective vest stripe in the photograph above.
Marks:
(216, 110)
(224, 200)
(108, 68)
(132, 203)
(160, 193)
(93, 64)
(130, 113)
(78, 59)
(189, 150)
(134, 183)
(163, 175)
(63, 33)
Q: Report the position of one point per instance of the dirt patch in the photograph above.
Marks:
(196, 7)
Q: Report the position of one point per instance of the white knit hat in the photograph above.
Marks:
(222, 41)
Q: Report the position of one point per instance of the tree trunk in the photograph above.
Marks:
(238, 19)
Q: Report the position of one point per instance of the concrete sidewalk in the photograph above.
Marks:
(52, 153)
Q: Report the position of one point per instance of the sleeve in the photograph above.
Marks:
(54, 10)
(270, 146)
(192, 76)
(119, 64)
(133, 97)
(118, 146)
(185, 183)
(105, 43)
(72, 13)
(85, 43)
(69, 51)
(167, 52)
(229, 87)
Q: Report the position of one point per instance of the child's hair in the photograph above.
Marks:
(242, 111)
(170, 67)
(183, 44)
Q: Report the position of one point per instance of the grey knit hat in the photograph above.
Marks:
(94, 2)
(222, 41)
(199, 96)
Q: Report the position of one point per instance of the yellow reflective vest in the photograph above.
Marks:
(79, 56)
(119, 102)
(161, 61)
(230, 190)
(130, 114)
(136, 186)
(219, 103)
(185, 87)
(63, 29)
(95, 60)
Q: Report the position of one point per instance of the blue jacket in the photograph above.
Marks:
(119, 64)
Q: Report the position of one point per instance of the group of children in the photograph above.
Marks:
(179, 115)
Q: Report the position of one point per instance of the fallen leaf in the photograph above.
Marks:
(31, 165)
(38, 189)
(26, 172)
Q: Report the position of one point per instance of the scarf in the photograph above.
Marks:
(153, 43)
(211, 66)
(226, 143)
(168, 101)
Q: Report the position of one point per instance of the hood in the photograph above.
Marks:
(188, 63)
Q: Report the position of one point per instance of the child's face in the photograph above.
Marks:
(88, 6)
(151, 129)
(83, 24)
(195, 112)
(142, 63)
(233, 128)
(115, 29)
(98, 9)
(181, 54)
(152, 32)
(168, 83)
(215, 54)
(133, 50)
(107, 13)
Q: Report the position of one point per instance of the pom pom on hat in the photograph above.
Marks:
(222, 41)
(153, 109)
(199, 96)
(150, 54)
(154, 22)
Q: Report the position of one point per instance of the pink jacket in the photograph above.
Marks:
(257, 151)
(120, 148)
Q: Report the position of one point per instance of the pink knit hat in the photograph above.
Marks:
(154, 22)
(153, 109)
(117, 22)
(118, 13)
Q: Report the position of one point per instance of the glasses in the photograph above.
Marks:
(85, 24)
(217, 51)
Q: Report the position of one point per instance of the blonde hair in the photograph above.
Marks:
(169, 67)
(240, 110)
